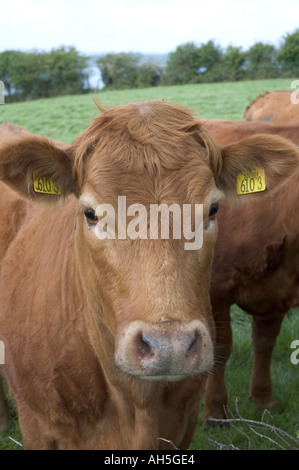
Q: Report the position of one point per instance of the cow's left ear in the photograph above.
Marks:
(256, 166)
(36, 168)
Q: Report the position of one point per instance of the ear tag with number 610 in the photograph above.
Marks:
(252, 182)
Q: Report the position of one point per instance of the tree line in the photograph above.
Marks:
(205, 63)
(31, 75)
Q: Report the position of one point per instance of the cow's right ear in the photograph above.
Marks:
(36, 168)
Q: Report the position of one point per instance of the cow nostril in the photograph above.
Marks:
(144, 347)
(194, 345)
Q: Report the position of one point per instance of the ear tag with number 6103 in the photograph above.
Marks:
(44, 185)
(251, 182)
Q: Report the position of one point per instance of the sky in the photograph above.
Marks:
(146, 26)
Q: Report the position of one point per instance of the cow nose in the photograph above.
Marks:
(157, 346)
(167, 350)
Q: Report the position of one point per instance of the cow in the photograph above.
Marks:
(278, 107)
(6, 129)
(108, 341)
(256, 265)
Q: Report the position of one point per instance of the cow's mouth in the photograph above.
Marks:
(163, 378)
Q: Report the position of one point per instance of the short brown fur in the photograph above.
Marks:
(275, 108)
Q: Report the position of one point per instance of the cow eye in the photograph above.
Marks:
(213, 210)
(91, 216)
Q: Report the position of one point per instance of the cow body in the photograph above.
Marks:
(226, 132)
(276, 108)
(108, 341)
(256, 267)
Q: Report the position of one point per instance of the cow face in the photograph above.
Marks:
(149, 292)
(153, 276)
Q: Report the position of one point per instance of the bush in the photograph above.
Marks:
(31, 75)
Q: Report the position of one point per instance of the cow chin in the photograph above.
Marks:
(166, 351)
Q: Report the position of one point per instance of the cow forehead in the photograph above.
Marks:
(145, 142)
(91, 198)
(196, 186)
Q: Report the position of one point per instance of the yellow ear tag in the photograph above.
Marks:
(252, 182)
(44, 185)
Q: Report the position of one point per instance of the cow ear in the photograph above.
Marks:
(36, 168)
(256, 166)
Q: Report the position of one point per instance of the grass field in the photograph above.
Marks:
(64, 118)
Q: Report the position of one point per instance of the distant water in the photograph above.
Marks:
(95, 78)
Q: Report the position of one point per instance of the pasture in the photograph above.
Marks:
(63, 119)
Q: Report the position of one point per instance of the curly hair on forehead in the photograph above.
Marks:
(153, 134)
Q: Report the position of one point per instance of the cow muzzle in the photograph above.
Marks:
(164, 351)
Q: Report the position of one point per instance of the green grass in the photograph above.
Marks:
(13, 433)
(285, 386)
(64, 118)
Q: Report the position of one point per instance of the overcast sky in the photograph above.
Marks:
(148, 26)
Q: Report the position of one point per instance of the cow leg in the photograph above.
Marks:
(216, 393)
(264, 334)
(4, 411)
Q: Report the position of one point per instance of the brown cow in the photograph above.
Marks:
(5, 130)
(256, 265)
(108, 342)
(277, 107)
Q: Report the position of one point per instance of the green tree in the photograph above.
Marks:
(182, 65)
(8, 62)
(41, 74)
(119, 71)
(288, 55)
(209, 61)
(262, 61)
(65, 71)
(192, 64)
(232, 64)
(149, 74)
(24, 74)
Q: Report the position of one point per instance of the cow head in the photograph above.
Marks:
(150, 293)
